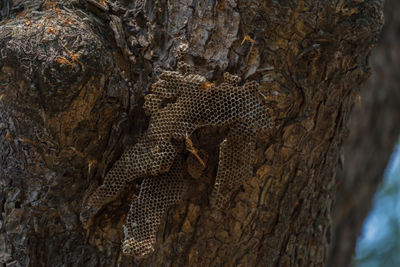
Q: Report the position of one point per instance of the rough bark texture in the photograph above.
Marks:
(73, 76)
(374, 130)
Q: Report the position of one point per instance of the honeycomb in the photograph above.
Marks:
(180, 103)
(235, 166)
(156, 195)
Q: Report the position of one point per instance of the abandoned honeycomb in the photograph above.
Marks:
(235, 166)
(156, 195)
(179, 104)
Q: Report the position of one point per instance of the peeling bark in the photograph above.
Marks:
(73, 77)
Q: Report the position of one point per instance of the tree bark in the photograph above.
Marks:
(374, 130)
(73, 77)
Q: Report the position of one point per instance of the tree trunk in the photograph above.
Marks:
(73, 79)
(374, 130)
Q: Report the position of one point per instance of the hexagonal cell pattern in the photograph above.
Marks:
(179, 104)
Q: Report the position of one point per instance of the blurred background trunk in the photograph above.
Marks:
(374, 130)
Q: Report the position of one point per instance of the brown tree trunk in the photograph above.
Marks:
(73, 77)
(374, 130)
